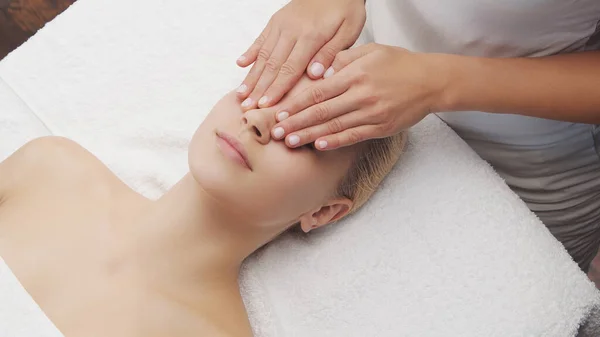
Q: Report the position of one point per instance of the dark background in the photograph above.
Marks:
(20, 19)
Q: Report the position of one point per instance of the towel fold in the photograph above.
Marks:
(18, 124)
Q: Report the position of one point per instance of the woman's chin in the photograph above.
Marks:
(215, 185)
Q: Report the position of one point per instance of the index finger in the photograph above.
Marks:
(291, 71)
(319, 92)
(250, 55)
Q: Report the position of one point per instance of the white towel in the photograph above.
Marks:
(20, 316)
(443, 249)
(17, 123)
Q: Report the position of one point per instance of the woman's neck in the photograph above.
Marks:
(189, 240)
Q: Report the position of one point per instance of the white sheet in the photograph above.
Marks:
(444, 249)
(17, 123)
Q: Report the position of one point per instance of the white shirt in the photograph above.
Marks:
(554, 166)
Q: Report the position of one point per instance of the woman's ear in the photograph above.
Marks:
(334, 210)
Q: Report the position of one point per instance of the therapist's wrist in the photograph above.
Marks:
(462, 83)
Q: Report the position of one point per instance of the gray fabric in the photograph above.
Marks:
(553, 166)
(591, 325)
(506, 28)
(593, 42)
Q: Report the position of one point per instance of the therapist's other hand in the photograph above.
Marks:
(372, 91)
(303, 35)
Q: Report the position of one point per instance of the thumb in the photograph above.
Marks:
(344, 58)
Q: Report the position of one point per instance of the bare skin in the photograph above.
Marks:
(67, 231)
(102, 260)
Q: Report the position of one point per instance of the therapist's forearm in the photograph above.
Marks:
(562, 87)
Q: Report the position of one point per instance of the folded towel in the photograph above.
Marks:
(18, 124)
(443, 249)
(19, 314)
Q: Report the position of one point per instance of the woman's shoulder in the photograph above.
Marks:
(47, 160)
(46, 147)
(45, 155)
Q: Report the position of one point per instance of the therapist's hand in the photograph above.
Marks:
(303, 35)
(371, 91)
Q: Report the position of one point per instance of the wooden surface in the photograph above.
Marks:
(20, 19)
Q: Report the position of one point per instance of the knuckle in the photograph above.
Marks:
(334, 126)
(369, 99)
(261, 39)
(263, 54)
(317, 95)
(386, 127)
(287, 34)
(376, 114)
(316, 36)
(354, 137)
(288, 69)
(271, 65)
(329, 52)
(306, 135)
(360, 77)
(321, 113)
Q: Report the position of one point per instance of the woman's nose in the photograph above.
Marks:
(259, 123)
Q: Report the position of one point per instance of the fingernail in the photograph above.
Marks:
(241, 58)
(293, 140)
(242, 89)
(263, 100)
(329, 72)
(317, 69)
(278, 132)
(282, 115)
(247, 102)
(322, 144)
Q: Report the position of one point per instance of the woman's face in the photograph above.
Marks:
(234, 159)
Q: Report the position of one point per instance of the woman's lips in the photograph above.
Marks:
(233, 149)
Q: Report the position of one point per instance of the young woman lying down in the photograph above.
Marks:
(102, 260)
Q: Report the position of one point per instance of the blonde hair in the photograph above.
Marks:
(374, 161)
